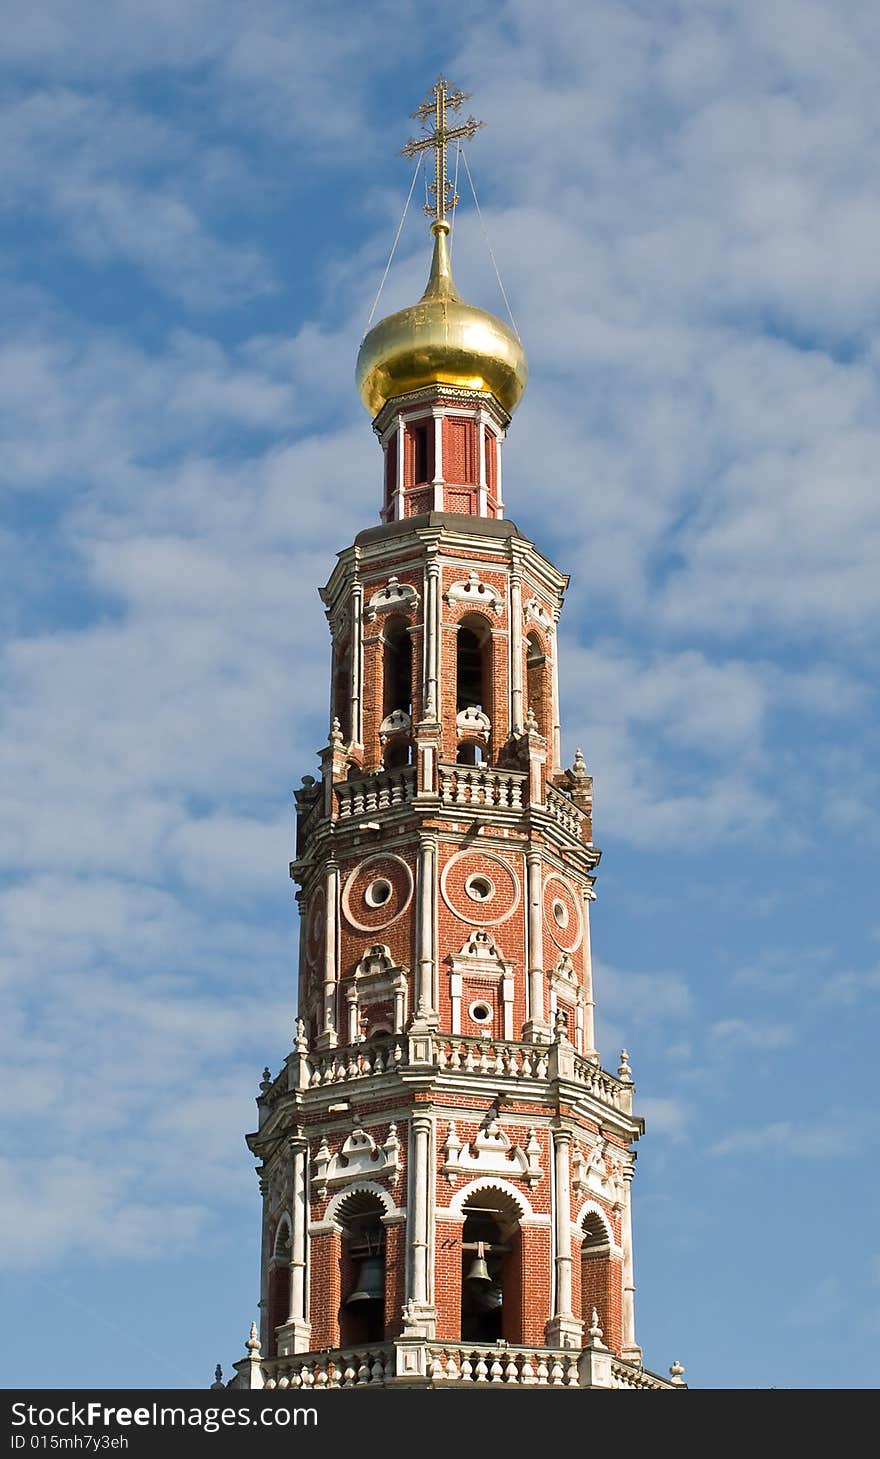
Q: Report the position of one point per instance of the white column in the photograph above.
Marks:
(420, 1189)
(328, 1038)
(438, 462)
(357, 664)
(629, 1347)
(536, 1028)
(516, 655)
(589, 1047)
(298, 1316)
(556, 737)
(564, 1329)
(482, 494)
(425, 1015)
(498, 493)
(430, 640)
(397, 513)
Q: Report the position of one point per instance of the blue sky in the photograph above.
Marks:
(198, 201)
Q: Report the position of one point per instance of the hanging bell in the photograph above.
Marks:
(371, 1281)
(479, 1271)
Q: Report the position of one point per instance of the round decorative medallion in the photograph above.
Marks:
(563, 916)
(377, 892)
(480, 896)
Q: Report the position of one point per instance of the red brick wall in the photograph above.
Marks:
(460, 452)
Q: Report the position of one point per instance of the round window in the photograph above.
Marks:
(560, 913)
(480, 888)
(378, 892)
(480, 1012)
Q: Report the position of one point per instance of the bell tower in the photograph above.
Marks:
(445, 1166)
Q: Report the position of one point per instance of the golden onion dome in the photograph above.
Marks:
(440, 341)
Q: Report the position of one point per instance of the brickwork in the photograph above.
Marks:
(469, 938)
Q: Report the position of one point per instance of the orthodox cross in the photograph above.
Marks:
(441, 100)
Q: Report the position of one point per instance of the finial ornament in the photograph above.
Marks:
(266, 1081)
(253, 1342)
(624, 1072)
(441, 100)
(676, 1372)
(595, 1329)
(579, 768)
(218, 1378)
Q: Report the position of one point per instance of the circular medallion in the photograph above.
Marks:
(377, 892)
(563, 915)
(480, 896)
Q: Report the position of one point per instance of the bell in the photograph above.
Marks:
(371, 1281)
(479, 1271)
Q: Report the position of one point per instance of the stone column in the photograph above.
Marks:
(629, 1347)
(556, 733)
(328, 1038)
(420, 1315)
(564, 1330)
(438, 462)
(296, 1340)
(516, 655)
(425, 1015)
(357, 664)
(397, 513)
(536, 1028)
(482, 489)
(589, 1045)
(431, 641)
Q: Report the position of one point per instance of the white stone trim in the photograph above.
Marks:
(330, 1221)
(587, 1209)
(495, 1183)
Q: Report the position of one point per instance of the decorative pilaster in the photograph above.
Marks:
(589, 1037)
(630, 1349)
(328, 1037)
(357, 663)
(516, 655)
(397, 512)
(564, 1330)
(536, 1029)
(425, 1014)
(295, 1336)
(438, 461)
(556, 732)
(419, 1313)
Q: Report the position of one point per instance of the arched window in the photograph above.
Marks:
(491, 1271)
(341, 707)
(536, 680)
(396, 668)
(279, 1284)
(596, 1272)
(362, 1316)
(470, 687)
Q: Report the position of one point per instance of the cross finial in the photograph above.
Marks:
(441, 100)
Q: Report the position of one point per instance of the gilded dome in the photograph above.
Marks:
(440, 341)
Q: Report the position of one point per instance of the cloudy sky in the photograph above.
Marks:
(198, 202)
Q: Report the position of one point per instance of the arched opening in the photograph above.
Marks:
(397, 668)
(279, 1285)
(470, 680)
(491, 1276)
(341, 707)
(468, 754)
(398, 752)
(596, 1271)
(536, 680)
(362, 1315)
